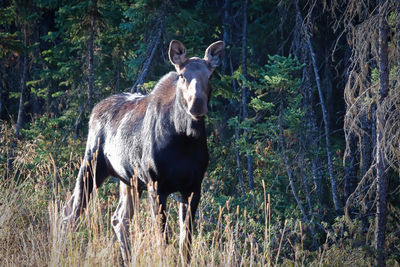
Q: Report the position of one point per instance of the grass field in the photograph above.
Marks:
(30, 235)
(30, 221)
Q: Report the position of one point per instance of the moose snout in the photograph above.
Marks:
(198, 108)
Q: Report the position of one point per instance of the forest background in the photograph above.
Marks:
(303, 128)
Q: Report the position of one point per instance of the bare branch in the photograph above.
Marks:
(137, 86)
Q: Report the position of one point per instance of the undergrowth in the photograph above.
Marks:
(225, 234)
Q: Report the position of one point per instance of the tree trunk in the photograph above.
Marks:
(288, 171)
(366, 141)
(317, 179)
(137, 86)
(244, 95)
(335, 197)
(24, 74)
(118, 77)
(398, 37)
(91, 55)
(351, 165)
(306, 218)
(305, 182)
(312, 134)
(1, 87)
(77, 121)
(239, 166)
(351, 159)
(226, 35)
(34, 99)
(381, 205)
(327, 83)
(226, 38)
(237, 150)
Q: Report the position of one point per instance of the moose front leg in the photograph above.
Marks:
(187, 213)
(158, 203)
(122, 216)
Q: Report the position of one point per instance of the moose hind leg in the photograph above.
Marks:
(187, 213)
(122, 216)
(90, 167)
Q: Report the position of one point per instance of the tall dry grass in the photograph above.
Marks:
(30, 226)
(30, 235)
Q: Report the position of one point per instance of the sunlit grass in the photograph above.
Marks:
(31, 202)
(30, 235)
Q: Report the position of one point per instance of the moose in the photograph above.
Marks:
(159, 138)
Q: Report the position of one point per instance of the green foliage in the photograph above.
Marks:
(276, 82)
(56, 114)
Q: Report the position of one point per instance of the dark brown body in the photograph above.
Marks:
(159, 138)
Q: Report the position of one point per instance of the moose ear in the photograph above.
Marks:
(177, 53)
(214, 53)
